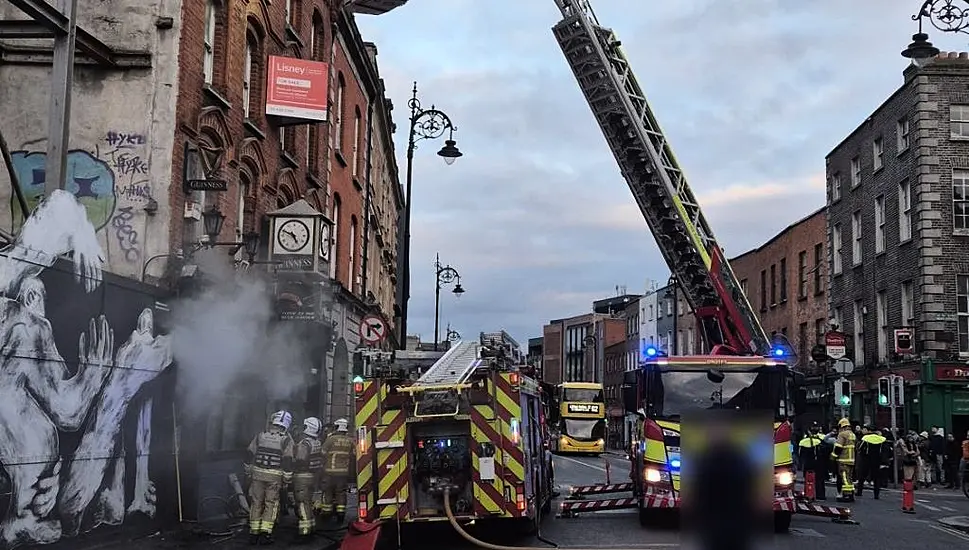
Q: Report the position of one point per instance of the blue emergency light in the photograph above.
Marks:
(651, 351)
(675, 464)
(778, 352)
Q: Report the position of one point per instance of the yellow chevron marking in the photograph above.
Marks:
(364, 476)
(509, 404)
(390, 471)
(364, 411)
(510, 462)
(485, 411)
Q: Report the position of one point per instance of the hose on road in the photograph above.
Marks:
(487, 545)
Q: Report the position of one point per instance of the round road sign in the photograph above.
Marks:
(372, 329)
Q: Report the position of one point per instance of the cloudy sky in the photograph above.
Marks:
(536, 217)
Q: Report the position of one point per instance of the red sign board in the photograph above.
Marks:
(833, 338)
(296, 88)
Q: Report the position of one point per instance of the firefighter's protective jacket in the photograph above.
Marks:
(809, 450)
(844, 447)
(308, 458)
(271, 456)
(337, 451)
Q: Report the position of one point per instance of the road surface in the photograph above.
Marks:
(882, 524)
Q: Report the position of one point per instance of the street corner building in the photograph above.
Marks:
(256, 136)
(898, 224)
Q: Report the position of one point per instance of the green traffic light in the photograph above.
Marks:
(845, 400)
(883, 399)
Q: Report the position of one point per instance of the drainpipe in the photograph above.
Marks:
(368, 198)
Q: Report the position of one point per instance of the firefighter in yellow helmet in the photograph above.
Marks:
(270, 468)
(337, 456)
(308, 461)
(844, 454)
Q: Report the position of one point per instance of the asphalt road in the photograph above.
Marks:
(882, 525)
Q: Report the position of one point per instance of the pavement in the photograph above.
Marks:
(936, 525)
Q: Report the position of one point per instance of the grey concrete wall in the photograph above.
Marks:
(122, 132)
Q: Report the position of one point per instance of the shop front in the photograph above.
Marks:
(942, 398)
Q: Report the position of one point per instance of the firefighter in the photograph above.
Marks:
(269, 468)
(809, 455)
(337, 450)
(844, 453)
(871, 453)
(308, 459)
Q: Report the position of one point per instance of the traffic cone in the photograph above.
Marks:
(908, 497)
(809, 485)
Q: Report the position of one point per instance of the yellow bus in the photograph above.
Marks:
(581, 424)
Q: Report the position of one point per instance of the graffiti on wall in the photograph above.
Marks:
(111, 180)
(76, 416)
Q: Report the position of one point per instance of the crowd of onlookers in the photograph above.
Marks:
(929, 458)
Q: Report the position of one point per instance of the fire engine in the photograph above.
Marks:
(472, 427)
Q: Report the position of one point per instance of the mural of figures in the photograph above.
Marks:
(56, 490)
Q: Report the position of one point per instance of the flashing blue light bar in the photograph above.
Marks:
(675, 464)
(778, 352)
(651, 351)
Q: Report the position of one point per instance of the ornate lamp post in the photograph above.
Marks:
(444, 275)
(946, 16)
(424, 124)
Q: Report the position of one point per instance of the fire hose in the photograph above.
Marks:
(487, 545)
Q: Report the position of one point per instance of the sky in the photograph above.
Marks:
(536, 217)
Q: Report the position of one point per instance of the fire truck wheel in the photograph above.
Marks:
(782, 521)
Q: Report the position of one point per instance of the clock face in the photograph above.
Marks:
(293, 235)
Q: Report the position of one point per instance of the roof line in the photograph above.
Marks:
(782, 232)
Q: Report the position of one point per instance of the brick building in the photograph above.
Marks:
(574, 347)
(898, 228)
(785, 280)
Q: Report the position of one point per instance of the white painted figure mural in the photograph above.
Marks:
(56, 493)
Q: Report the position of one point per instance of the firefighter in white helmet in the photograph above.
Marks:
(270, 468)
(308, 462)
(337, 454)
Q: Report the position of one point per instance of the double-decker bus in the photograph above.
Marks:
(581, 422)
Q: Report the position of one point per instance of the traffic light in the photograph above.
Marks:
(842, 392)
(884, 391)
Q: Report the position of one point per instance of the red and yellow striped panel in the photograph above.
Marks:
(365, 417)
(488, 497)
(509, 407)
(393, 491)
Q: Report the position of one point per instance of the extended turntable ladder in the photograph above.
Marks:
(454, 367)
(665, 199)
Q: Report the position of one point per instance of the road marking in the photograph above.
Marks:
(582, 463)
(947, 509)
(933, 508)
(804, 532)
(953, 532)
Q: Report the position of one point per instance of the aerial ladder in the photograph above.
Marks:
(727, 323)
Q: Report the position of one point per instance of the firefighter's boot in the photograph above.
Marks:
(266, 539)
(254, 539)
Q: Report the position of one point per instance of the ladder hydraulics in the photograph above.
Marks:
(647, 162)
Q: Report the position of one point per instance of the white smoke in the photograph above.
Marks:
(225, 341)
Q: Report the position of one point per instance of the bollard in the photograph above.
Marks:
(908, 497)
(608, 477)
(809, 485)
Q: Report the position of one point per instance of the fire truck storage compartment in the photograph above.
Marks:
(441, 452)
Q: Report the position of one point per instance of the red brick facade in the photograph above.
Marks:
(785, 280)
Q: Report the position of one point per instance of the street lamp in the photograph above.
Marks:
(444, 275)
(452, 335)
(944, 15)
(424, 124)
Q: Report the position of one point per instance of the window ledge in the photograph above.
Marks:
(215, 96)
(905, 241)
(288, 159)
(960, 232)
(902, 151)
(313, 180)
(340, 158)
(356, 183)
(837, 273)
(958, 138)
(879, 169)
(251, 128)
(802, 298)
(292, 35)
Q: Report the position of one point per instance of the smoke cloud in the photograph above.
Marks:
(225, 342)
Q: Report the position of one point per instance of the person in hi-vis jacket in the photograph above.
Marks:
(269, 468)
(308, 462)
